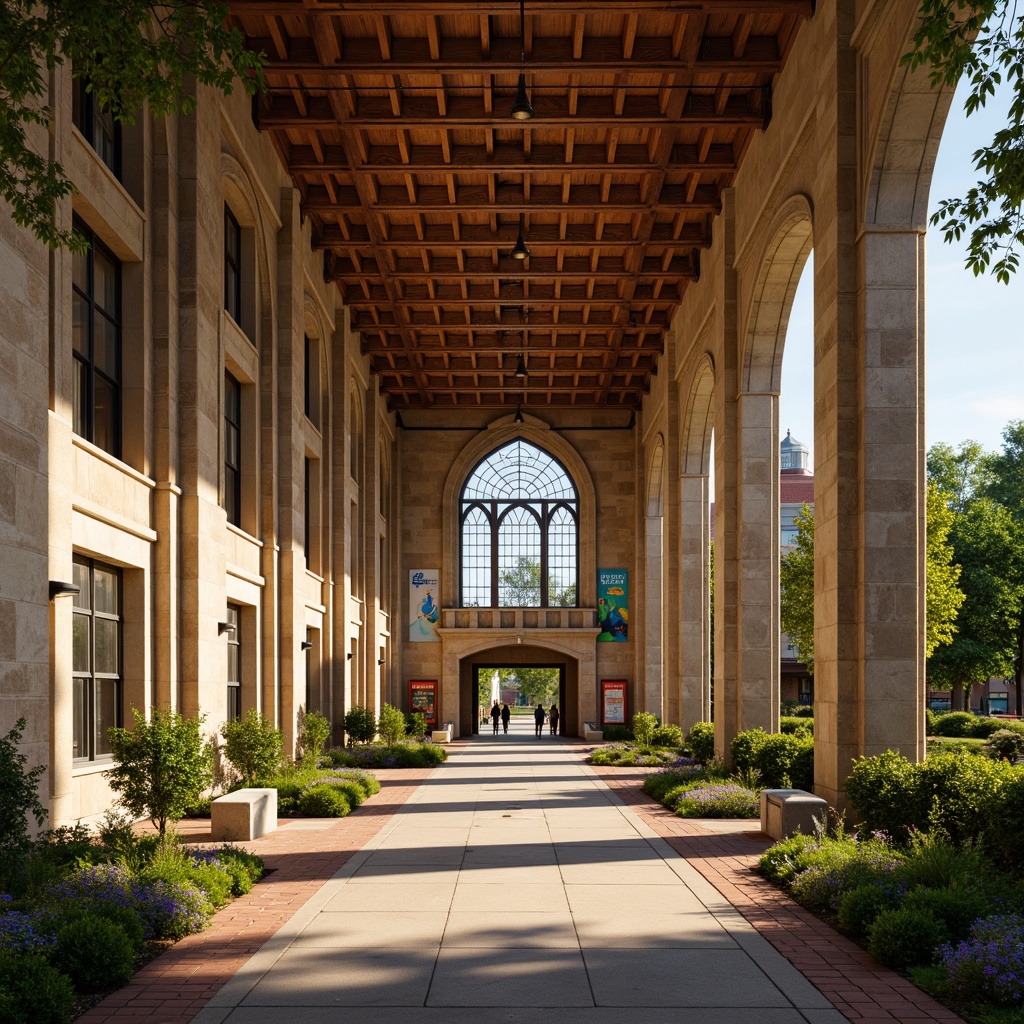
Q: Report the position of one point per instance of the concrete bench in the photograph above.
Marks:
(785, 811)
(244, 814)
(443, 735)
(591, 733)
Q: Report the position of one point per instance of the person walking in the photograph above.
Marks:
(538, 719)
(506, 714)
(495, 716)
(553, 719)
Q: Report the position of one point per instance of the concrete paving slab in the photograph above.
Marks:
(678, 977)
(510, 977)
(391, 896)
(496, 899)
(436, 856)
(515, 929)
(371, 929)
(606, 929)
(622, 872)
(524, 1015)
(598, 853)
(514, 875)
(632, 898)
(427, 875)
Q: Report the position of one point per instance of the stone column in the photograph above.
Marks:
(759, 561)
(695, 600)
(654, 647)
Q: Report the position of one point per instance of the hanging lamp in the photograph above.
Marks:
(520, 250)
(522, 110)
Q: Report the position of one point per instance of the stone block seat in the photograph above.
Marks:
(785, 811)
(443, 735)
(591, 733)
(243, 815)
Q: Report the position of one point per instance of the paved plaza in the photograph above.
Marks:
(511, 884)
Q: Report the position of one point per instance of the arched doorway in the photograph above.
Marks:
(481, 696)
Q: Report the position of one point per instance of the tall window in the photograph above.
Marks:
(97, 126)
(233, 449)
(307, 535)
(232, 267)
(234, 663)
(96, 329)
(311, 396)
(96, 658)
(519, 514)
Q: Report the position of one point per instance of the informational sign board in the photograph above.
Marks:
(423, 697)
(613, 605)
(424, 610)
(613, 701)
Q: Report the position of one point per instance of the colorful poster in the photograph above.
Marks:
(424, 611)
(613, 604)
(613, 701)
(423, 697)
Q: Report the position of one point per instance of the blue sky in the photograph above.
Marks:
(974, 361)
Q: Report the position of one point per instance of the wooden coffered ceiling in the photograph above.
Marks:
(393, 119)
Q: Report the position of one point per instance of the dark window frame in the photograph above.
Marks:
(90, 678)
(88, 118)
(234, 642)
(232, 266)
(232, 431)
(86, 291)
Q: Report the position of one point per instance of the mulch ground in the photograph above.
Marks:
(856, 984)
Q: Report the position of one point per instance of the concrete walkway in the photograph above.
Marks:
(511, 884)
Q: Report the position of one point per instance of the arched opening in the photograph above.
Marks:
(654, 585)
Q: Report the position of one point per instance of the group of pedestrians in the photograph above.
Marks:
(501, 713)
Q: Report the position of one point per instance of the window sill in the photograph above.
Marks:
(91, 768)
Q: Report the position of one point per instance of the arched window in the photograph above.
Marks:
(519, 518)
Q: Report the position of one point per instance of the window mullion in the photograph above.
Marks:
(492, 516)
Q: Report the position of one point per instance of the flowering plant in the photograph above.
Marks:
(989, 965)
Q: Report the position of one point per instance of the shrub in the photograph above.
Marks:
(901, 938)
(245, 868)
(954, 723)
(989, 965)
(360, 725)
(391, 725)
(365, 780)
(793, 725)
(859, 907)
(936, 863)
(959, 790)
(24, 932)
(714, 800)
(415, 724)
(957, 909)
(785, 761)
(644, 725)
(254, 748)
(314, 732)
(161, 766)
(744, 748)
(700, 741)
(324, 801)
(1002, 838)
(19, 796)
(781, 863)
(836, 867)
(33, 992)
(617, 733)
(931, 720)
(679, 772)
(884, 794)
(402, 755)
(1004, 744)
(354, 793)
(94, 953)
(667, 736)
(173, 910)
(176, 865)
(801, 711)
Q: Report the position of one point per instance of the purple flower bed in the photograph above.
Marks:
(22, 932)
(718, 800)
(988, 966)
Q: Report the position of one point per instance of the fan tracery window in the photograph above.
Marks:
(519, 519)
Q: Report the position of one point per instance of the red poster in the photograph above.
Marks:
(423, 697)
(613, 701)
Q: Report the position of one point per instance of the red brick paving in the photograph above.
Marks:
(178, 984)
(856, 984)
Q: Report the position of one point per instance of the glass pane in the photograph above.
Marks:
(83, 599)
(105, 581)
(80, 269)
(108, 711)
(231, 496)
(233, 673)
(519, 470)
(80, 397)
(80, 725)
(103, 138)
(234, 703)
(104, 426)
(105, 272)
(80, 323)
(232, 447)
(562, 558)
(232, 399)
(106, 656)
(476, 560)
(80, 661)
(519, 560)
(105, 346)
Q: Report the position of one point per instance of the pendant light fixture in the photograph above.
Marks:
(518, 418)
(521, 366)
(520, 250)
(521, 109)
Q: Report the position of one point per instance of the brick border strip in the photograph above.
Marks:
(175, 986)
(849, 977)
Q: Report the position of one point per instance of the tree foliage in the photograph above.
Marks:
(254, 748)
(538, 685)
(982, 41)
(943, 598)
(161, 766)
(129, 53)
(519, 586)
(796, 579)
(391, 725)
(19, 795)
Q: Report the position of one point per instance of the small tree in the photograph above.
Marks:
(19, 795)
(314, 731)
(253, 746)
(796, 578)
(161, 767)
(360, 724)
(415, 724)
(391, 725)
(644, 725)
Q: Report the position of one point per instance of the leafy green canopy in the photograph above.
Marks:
(984, 41)
(129, 52)
(796, 579)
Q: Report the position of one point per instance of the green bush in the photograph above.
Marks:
(94, 953)
(1002, 837)
(19, 795)
(176, 865)
(793, 725)
(957, 909)
(1005, 745)
(885, 796)
(714, 800)
(669, 778)
(838, 865)
(667, 736)
(934, 862)
(354, 793)
(744, 749)
(781, 863)
(780, 761)
(161, 766)
(960, 790)
(391, 725)
(964, 724)
(124, 917)
(415, 724)
(700, 741)
(402, 755)
(617, 734)
(245, 868)
(33, 992)
(314, 732)
(254, 748)
(860, 906)
(902, 938)
(931, 720)
(324, 801)
(360, 725)
(644, 725)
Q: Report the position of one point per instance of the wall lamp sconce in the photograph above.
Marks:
(58, 588)
(306, 645)
(225, 627)
(381, 661)
(349, 656)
